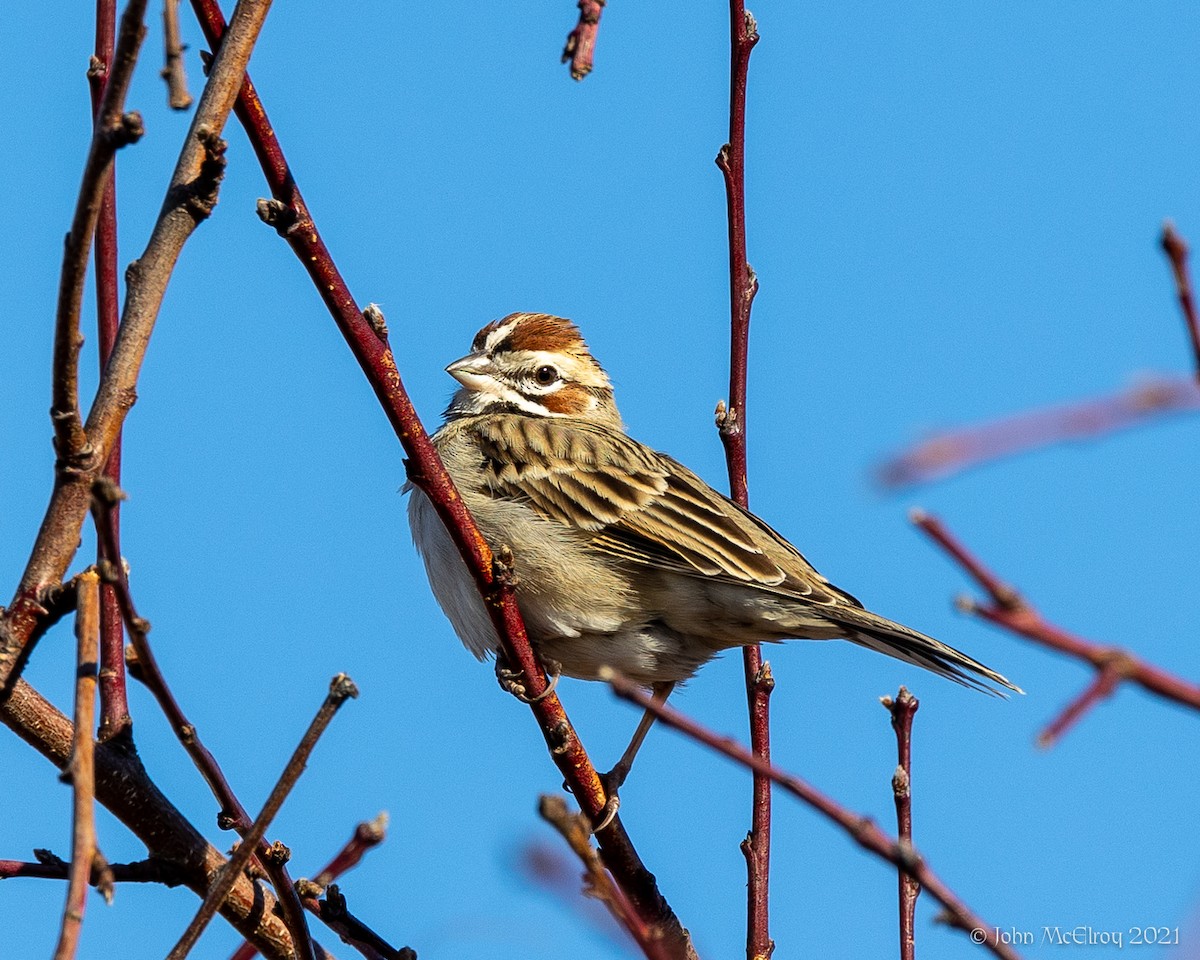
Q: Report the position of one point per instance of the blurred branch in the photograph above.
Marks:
(334, 913)
(1008, 609)
(863, 830)
(367, 337)
(341, 689)
(731, 424)
(580, 49)
(577, 831)
(1177, 253)
(80, 771)
(945, 454)
(173, 71)
(903, 707)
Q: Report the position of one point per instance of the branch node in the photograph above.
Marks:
(277, 214)
(342, 688)
(374, 316)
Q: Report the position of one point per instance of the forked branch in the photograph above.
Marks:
(1005, 607)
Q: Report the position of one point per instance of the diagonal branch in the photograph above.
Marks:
(341, 688)
(863, 830)
(144, 665)
(190, 198)
(366, 335)
(1007, 608)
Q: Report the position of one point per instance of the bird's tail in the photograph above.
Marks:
(896, 640)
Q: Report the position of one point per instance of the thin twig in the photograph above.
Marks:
(367, 339)
(81, 770)
(576, 829)
(232, 815)
(368, 834)
(902, 707)
(863, 830)
(580, 49)
(947, 453)
(173, 71)
(341, 688)
(50, 867)
(1010, 610)
(1177, 253)
(190, 198)
(114, 704)
(113, 129)
(731, 423)
(334, 914)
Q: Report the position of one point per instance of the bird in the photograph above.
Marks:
(625, 559)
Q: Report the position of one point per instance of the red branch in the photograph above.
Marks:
(367, 339)
(114, 705)
(946, 454)
(581, 42)
(1010, 610)
(863, 830)
(1177, 252)
(902, 708)
(731, 422)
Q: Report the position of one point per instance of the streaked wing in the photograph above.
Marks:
(641, 505)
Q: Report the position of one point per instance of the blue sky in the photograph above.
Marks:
(953, 211)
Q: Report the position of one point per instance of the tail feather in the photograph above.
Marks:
(896, 640)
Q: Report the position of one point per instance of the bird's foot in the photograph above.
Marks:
(511, 680)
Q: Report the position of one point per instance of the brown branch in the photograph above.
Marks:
(124, 787)
(902, 708)
(190, 197)
(368, 834)
(367, 339)
(1010, 610)
(81, 769)
(50, 867)
(114, 705)
(863, 830)
(112, 129)
(173, 71)
(341, 688)
(1177, 253)
(598, 883)
(232, 815)
(731, 424)
(580, 49)
(945, 454)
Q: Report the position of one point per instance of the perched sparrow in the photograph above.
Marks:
(624, 557)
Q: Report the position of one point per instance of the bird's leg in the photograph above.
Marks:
(616, 776)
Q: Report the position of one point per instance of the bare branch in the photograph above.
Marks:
(81, 769)
(1177, 253)
(902, 708)
(863, 830)
(289, 214)
(731, 424)
(580, 50)
(945, 454)
(173, 71)
(1010, 610)
(341, 688)
(50, 867)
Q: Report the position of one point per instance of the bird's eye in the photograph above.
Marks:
(546, 375)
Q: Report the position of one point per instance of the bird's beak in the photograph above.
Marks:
(473, 371)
